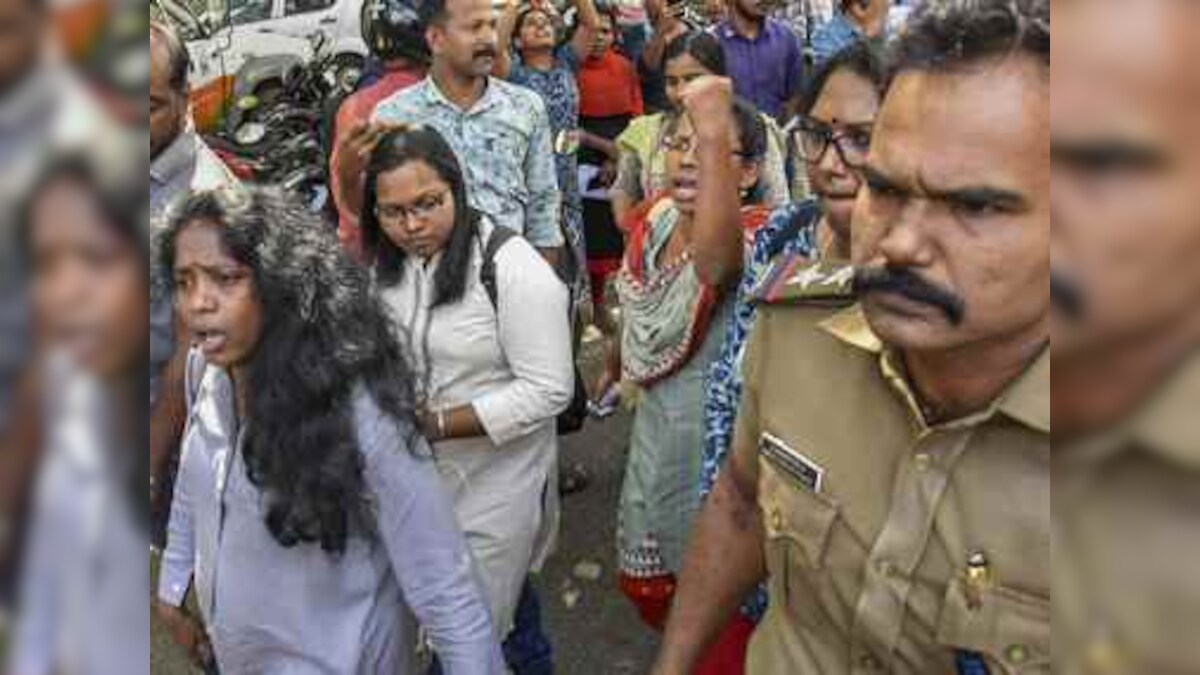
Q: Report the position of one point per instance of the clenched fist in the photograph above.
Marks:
(708, 101)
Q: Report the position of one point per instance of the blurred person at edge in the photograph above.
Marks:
(396, 39)
(180, 163)
(674, 306)
(43, 107)
(928, 530)
(500, 132)
(307, 515)
(492, 371)
(82, 601)
(836, 132)
(1125, 157)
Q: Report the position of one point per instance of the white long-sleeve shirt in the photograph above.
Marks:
(271, 610)
(84, 608)
(512, 364)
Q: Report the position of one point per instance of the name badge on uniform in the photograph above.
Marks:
(809, 474)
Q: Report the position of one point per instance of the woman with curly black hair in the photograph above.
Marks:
(306, 506)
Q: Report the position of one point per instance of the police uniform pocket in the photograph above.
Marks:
(798, 527)
(794, 515)
(1010, 628)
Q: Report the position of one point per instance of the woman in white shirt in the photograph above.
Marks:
(307, 517)
(83, 607)
(493, 367)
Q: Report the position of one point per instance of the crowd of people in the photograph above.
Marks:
(829, 270)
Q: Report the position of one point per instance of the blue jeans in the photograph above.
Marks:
(527, 650)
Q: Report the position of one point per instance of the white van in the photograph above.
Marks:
(227, 38)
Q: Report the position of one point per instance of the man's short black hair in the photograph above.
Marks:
(179, 62)
(944, 34)
(433, 12)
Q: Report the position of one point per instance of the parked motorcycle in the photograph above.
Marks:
(282, 136)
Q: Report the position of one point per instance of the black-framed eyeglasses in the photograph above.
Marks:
(812, 139)
(422, 209)
(685, 144)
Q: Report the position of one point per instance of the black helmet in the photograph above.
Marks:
(392, 29)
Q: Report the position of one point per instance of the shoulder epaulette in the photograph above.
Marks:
(793, 279)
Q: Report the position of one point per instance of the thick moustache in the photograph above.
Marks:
(908, 284)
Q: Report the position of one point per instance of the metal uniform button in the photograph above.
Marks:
(776, 520)
(1017, 654)
(869, 662)
(923, 462)
(887, 568)
(978, 578)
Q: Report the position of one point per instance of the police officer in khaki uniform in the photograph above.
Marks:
(892, 465)
(1125, 147)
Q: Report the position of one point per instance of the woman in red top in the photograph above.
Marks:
(610, 95)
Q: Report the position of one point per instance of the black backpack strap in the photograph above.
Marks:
(487, 272)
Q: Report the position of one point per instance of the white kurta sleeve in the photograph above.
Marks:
(535, 335)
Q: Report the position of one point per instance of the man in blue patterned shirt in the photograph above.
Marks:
(833, 136)
(856, 20)
(500, 132)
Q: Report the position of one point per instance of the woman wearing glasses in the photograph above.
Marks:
(641, 172)
(487, 322)
(673, 311)
(832, 136)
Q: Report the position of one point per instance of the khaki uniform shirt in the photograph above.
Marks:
(873, 517)
(1127, 571)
